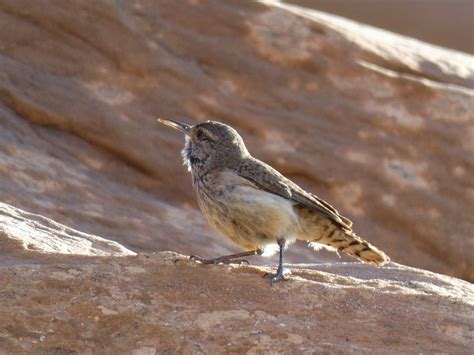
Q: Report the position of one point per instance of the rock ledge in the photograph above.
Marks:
(153, 303)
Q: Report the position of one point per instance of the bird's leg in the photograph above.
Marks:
(281, 273)
(228, 259)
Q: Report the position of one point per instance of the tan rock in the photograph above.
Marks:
(97, 305)
(65, 291)
(437, 21)
(20, 230)
(378, 124)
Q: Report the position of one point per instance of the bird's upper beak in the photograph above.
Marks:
(180, 126)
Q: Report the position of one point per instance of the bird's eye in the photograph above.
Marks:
(200, 135)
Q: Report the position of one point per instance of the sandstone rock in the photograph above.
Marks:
(447, 24)
(20, 231)
(150, 304)
(378, 124)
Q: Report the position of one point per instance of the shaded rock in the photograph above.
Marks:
(151, 304)
(378, 124)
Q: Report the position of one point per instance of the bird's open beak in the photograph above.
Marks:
(180, 126)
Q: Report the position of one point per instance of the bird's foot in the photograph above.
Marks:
(220, 260)
(281, 274)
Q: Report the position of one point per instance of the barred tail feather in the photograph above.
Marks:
(351, 244)
(364, 251)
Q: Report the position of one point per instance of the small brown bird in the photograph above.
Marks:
(254, 205)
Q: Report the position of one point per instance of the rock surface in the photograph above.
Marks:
(380, 125)
(150, 304)
(20, 230)
(55, 302)
(441, 22)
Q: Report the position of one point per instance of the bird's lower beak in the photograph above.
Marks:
(180, 126)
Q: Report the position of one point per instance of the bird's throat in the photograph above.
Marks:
(186, 153)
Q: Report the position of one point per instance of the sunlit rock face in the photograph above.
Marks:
(157, 303)
(379, 125)
(22, 231)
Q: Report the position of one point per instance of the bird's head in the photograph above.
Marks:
(208, 144)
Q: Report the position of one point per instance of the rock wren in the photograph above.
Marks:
(254, 205)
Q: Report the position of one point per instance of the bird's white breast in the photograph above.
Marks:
(251, 214)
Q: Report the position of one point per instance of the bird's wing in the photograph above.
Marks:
(272, 181)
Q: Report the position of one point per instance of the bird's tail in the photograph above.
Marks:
(351, 244)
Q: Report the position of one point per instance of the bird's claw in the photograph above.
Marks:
(242, 262)
(281, 274)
